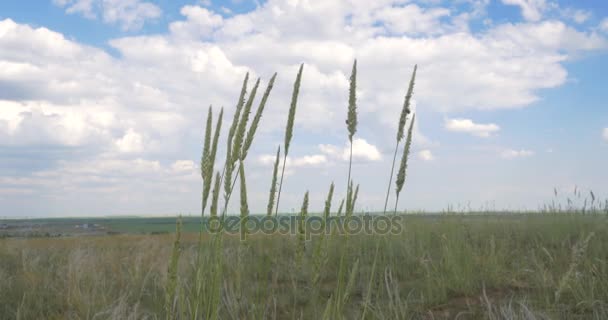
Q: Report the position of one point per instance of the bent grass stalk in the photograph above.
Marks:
(257, 118)
(273, 183)
(208, 161)
(250, 133)
(236, 146)
(228, 168)
(289, 129)
(402, 169)
(405, 111)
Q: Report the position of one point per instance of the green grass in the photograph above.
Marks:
(482, 266)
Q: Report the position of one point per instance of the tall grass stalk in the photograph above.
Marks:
(342, 292)
(244, 203)
(320, 257)
(405, 111)
(273, 183)
(256, 119)
(403, 167)
(208, 158)
(215, 195)
(244, 145)
(351, 117)
(228, 165)
(237, 144)
(289, 129)
(205, 155)
(172, 279)
(340, 207)
(301, 249)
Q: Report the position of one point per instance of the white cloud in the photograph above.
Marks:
(511, 154)
(315, 160)
(530, 9)
(468, 126)
(129, 14)
(57, 93)
(426, 155)
(362, 150)
(130, 142)
(418, 20)
(604, 25)
(605, 134)
(184, 166)
(199, 22)
(580, 16)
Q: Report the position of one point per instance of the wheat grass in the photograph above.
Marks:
(351, 117)
(405, 111)
(273, 183)
(289, 129)
(399, 182)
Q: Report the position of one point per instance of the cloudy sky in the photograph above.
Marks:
(102, 102)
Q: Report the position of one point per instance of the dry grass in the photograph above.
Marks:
(480, 267)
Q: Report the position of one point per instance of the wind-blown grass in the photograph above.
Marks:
(451, 266)
(405, 111)
(289, 129)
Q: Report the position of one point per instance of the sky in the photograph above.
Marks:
(103, 102)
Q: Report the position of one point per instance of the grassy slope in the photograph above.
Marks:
(438, 267)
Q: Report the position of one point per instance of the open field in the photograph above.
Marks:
(533, 266)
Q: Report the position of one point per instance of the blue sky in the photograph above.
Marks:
(102, 101)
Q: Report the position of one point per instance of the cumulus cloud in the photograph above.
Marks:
(56, 92)
(315, 160)
(130, 142)
(530, 9)
(470, 127)
(604, 25)
(183, 166)
(129, 14)
(362, 151)
(605, 134)
(512, 154)
(426, 155)
(580, 16)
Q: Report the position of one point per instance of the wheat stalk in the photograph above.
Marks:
(289, 129)
(402, 120)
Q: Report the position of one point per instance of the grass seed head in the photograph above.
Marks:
(273, 184)
(351, 119)
(292, 109)
(215, 195)
(406, 105)
(406, 152)
(257, 118)
(239, 135)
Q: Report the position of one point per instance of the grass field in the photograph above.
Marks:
(533, 266)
